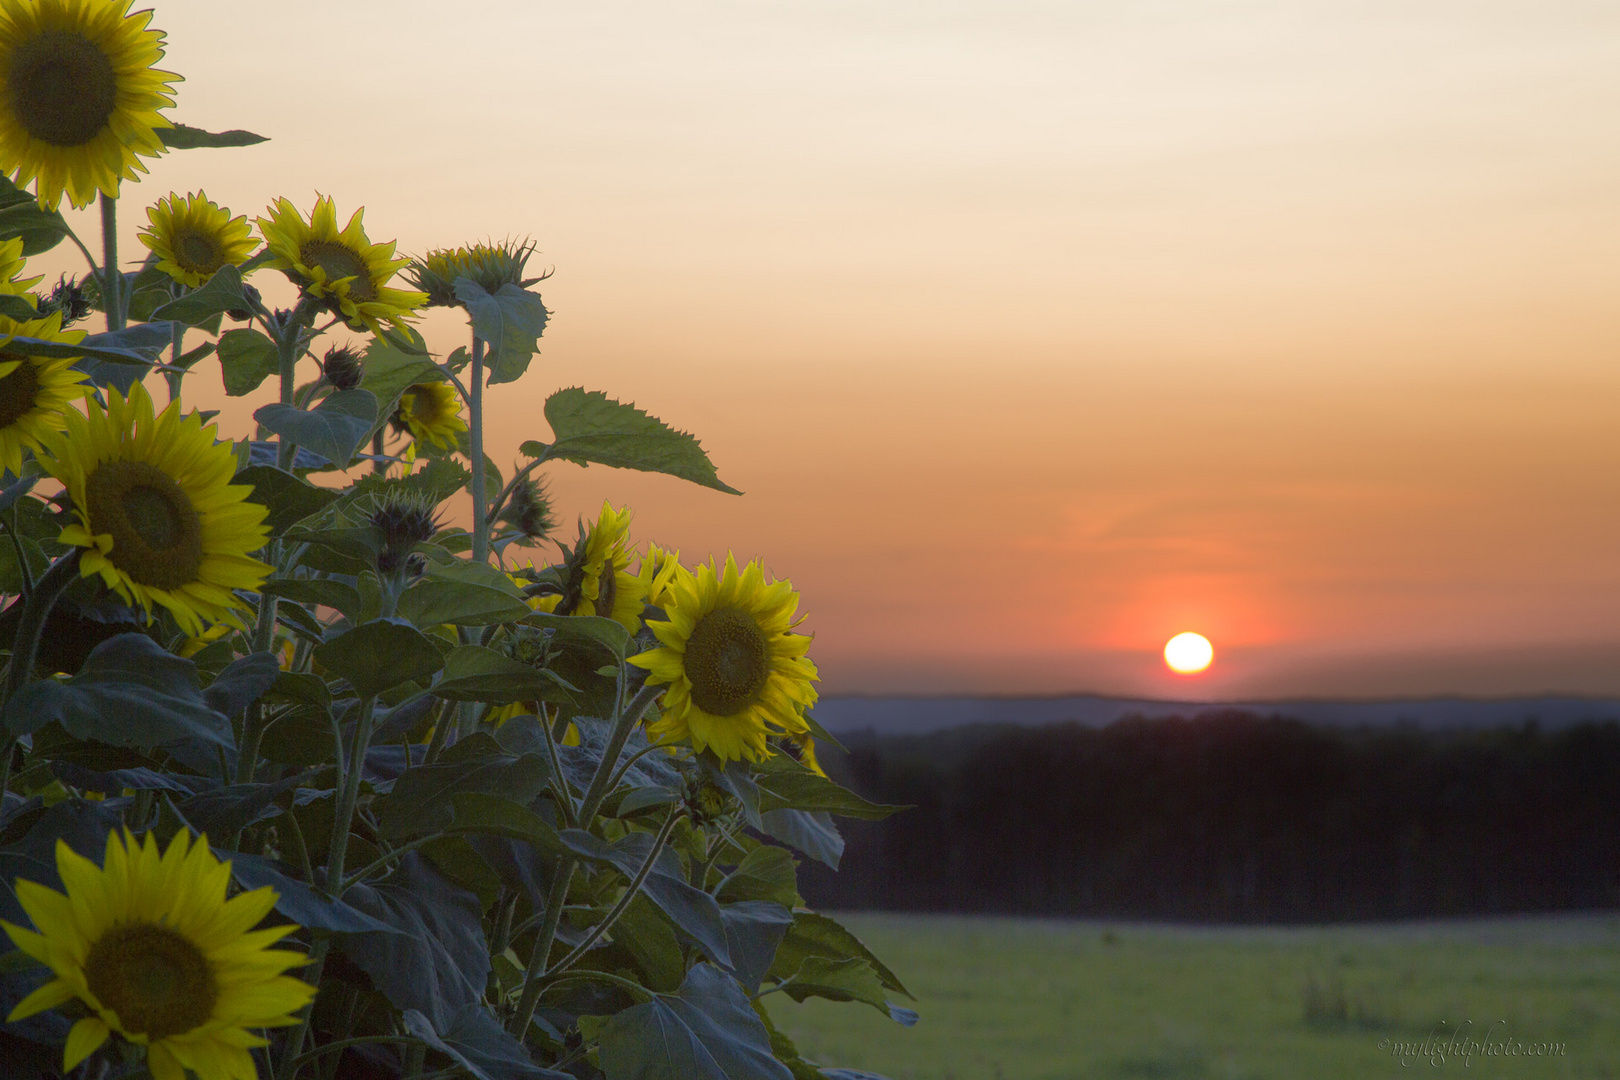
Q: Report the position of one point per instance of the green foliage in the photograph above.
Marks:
(590, 426)
(450, 791)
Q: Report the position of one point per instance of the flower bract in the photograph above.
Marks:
(489, 265)
(150, 946)
(342, 267)
(431, 412)
(35, 391)
(193, 236)
(155, 509)
(735, 671)
(81, 96)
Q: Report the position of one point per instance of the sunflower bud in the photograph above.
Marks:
(70, 298)
(707, 802)
(244, 314)
(404, 523)
(529, 511)
(341, 367)
(490, 265)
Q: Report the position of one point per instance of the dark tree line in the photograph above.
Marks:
(1233, 817)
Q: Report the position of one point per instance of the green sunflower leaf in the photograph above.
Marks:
(814, 935)
(297, 901)
(185, 137)
(510, 320)
(476, 673)
(378, 654)
(130, 692)
(476, 1041)
(766, 873)
(432, 602)
(333, 429)
(850, 979)
(333, 594)
(592, 427)
(423, 798)
(21, 215)
(289, 499)
(16, 306)
(707, 1031)
(217, 295)
(246, 359)
(794, 787)
(388, 371)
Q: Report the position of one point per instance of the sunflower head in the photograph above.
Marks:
(81, 96)
(155, 509)
(734, 670)
(35, 391)
(341, 366)
(598, 581)
(431, 412)
(489, 265)
(149, 946)
(342, 268)
(193, 237)
(529, 511)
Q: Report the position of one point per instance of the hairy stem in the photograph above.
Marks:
(624, 901)
(475, 408)
(112, 280)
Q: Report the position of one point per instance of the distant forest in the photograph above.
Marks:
(1233, 817)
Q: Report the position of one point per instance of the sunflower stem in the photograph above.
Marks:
(542, 947)
(475, 408)
(344, 819)
(25, 646)
(176, 348)
(624, 901)
(112, 281)
(610, 754)
(295, 1044)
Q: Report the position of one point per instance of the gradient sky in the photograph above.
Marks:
(1035, 333)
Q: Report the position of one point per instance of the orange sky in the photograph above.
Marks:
(1035, 333)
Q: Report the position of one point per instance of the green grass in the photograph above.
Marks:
(1024, 999)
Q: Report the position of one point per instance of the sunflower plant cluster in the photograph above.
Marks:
(322, 753)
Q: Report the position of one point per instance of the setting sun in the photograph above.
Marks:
(1188, 654)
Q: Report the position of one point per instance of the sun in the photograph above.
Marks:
(1188, 654)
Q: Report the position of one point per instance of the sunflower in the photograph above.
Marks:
(11, 268)
(343, 268)
(194, 236)
(735, 672)
(490, 265)
(81, 96)
(431, 412)
(148, 942)
(606, 586)
(34, 390)
(155, 509)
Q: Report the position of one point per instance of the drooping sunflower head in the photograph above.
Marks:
(431, 412)
(342, 267)
(193, 236)
(403, 522)
(150, 946)
(81, 96)
(489, 265)
(734, 670)
(605, 585)
(35, 391)
(155, 509)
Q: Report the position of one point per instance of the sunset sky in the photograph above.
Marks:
(1035, 332)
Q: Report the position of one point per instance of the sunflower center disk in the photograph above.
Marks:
(197, 252)
(727, 661)
(424, 406)
(340, 262)
(18, 390)
(157, 536)
(157, 982)
(62, 88)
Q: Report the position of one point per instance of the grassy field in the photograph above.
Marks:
(1012, 999)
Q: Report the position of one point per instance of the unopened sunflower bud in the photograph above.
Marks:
(70, 298)
(243, 314)
(341, 366)
(529, 511)
(404, 524)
